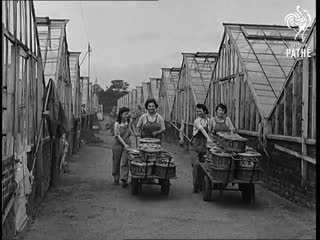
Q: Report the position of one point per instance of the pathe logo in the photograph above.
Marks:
(301, 18)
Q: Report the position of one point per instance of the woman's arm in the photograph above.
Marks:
(139, 126)
(202, 130)
(230, 125)
(162, 126)
(117, 135)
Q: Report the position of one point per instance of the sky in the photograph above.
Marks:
(133, 40)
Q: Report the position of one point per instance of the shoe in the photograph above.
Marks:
(124, 183)
(195, 190)
(116, 181)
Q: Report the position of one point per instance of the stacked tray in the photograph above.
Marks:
(149, 141)
(222, 165)
(231, 142)
(139, 168)
(247, 165)
(165, 168)
(134, 154)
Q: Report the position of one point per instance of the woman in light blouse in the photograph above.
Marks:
(199, 140)
(122, 132)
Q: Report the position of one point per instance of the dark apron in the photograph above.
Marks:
(221, 126)
(124, 134)
(149, 127)
(199, 142)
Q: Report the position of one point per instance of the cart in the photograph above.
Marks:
(210, 183)
(163, 181)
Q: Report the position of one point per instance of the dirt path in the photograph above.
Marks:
(87, 206)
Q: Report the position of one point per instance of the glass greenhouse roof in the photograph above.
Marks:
(263, 50)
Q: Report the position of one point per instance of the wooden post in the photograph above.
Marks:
(241, 96)
(257, 118)
(247, 107)
(313, 97)
(252, 113)
(276, 128)
(285, 124)
(237, 101)
(305, 106)
(294, 102)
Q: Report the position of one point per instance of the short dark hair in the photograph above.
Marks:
(122, 110)
(222, 106)
(203, 107)
(151, 100)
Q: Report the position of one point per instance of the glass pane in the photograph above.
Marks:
(244, 47)
(23, 22)
(273, 71)
(19, 20)
(253, 66)
(11, 4)
(267, 59)
(280, 49)
(285, 61)
(258, 77)
(55, 32)
(54, 44)
(253, 31)
(271, 32)
(287, 32)
(4, 60)
(261, 48)
(28, 35)
(238, 36)
(4, 12)
(248, 57)
(268, 93)
(234, 28)
(277, 84)
(286, 70)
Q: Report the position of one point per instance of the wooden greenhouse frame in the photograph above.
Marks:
(22, 107)
(293, 118)
(139, 96)
(167, 91)
(76, 98)
(194, 79)
(145, 93)
(154, 87)
(54, 50)
(263, 89)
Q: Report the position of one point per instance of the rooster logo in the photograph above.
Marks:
(301, 19)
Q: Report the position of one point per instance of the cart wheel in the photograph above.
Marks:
(207, 191)
(134, 186)
(165, 186)
(248, 193)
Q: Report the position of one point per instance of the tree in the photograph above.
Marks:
(119, 85)
(108, 98)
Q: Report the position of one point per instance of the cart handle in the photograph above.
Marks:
(168, 167)
(254, 167)
(146, 170)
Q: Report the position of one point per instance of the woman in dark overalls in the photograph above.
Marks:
(199, 141)
(122, 132)
(151, 124)
(220, 122)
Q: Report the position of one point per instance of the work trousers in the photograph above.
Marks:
(197, 172)
(120, 166)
